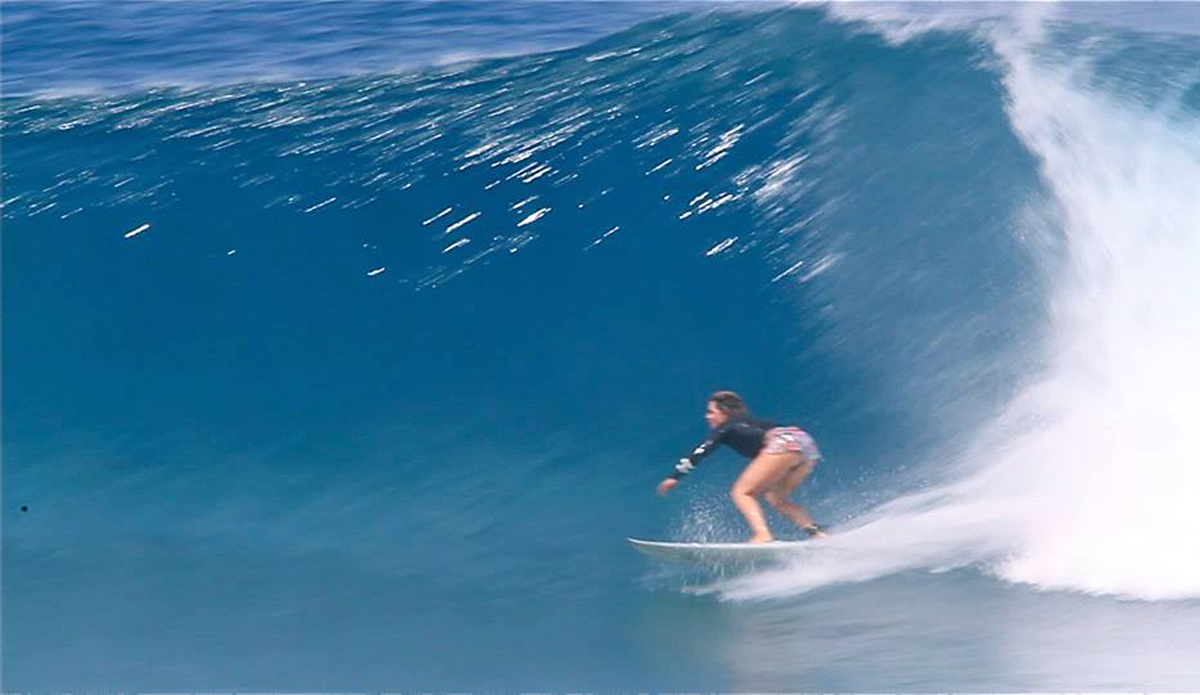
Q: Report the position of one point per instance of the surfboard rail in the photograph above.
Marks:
(719, 553)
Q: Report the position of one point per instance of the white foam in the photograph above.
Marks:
(1090, 479)
(1110, 473)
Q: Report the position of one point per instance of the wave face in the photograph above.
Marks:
(344, 369)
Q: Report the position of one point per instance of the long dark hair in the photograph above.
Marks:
(729, 403)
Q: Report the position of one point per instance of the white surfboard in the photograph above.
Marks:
(722, 553)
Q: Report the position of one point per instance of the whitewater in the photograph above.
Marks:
(1087, 480)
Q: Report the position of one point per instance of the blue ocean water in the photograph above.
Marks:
(344, 343)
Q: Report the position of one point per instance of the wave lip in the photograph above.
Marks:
(88, 47)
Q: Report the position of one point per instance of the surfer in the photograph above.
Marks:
(780, 459)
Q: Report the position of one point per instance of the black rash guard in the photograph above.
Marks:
(744, 434)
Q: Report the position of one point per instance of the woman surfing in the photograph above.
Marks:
(780, 459)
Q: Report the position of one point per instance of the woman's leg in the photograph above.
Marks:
(779, 495)
(762, 474)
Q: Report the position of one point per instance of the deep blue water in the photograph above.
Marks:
(344, 343)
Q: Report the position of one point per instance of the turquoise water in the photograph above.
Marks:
(344, 344)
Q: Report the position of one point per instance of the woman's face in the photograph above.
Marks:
(714, 416)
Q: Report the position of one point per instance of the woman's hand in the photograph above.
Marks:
(665, 486)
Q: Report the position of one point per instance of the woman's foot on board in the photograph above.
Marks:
(761, 538)
(815, 531)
